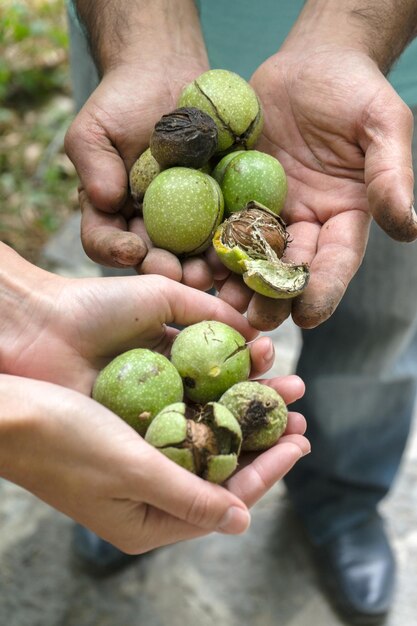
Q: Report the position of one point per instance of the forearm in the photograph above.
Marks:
(16, 420)
(126, 32)
(380, 28)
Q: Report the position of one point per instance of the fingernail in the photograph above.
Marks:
(235, 521)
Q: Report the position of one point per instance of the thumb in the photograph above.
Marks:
(389, 170)
(195, 501)
(98, 163)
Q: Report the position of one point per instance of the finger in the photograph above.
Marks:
(389, 170)
(105, 238)
(296, 424)
(189, 306)
(341, 244)
(266, 313)
(154, 530)
(291, 388)
(262, 355)
(219, 271)
(235, 292)
(157, 261)
(253, 481)
(98, 163)
(184, 495)
(296, 428)
(196, 273)
(162, 262)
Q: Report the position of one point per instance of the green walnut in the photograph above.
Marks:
(251, 242)
(182, 208)
(260, 411)
(143, 171)
(233, 105)
(252, 175)
(210, 357)
(136, 385)
(204, 441)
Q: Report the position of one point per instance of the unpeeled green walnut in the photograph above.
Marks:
(136, 385)
(251, 242)
(233, 105)
(205, 441)
(252, 175)
(186, 137)
(143, 171)
(182, 208)
(260, 411)
(210, 357)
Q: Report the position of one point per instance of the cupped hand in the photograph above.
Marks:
(74, 327)
(343, 136)
(106, 137)
(89, 464)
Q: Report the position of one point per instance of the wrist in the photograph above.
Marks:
(379, 30)
(25, 301)
(148, 33)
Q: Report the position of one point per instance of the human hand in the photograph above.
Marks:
(86, 462)
(107, 136)
(344, 138)
(66, 330)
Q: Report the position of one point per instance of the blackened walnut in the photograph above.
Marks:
(186, 137)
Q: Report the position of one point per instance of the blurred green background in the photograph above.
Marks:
(37, 181)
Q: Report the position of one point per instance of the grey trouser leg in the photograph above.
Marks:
(360, 370)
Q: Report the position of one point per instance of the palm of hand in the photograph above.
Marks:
(322, 121)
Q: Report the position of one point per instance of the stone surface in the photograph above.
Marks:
(263, 578)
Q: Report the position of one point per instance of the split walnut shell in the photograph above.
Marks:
(204, 441)
(260, 411)
(210, 357)
(251, 242)
(187, 137)
(233, 105)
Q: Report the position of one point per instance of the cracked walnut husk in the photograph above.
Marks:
(251, 242)
(204, 440)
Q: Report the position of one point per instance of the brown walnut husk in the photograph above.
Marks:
(185, 137)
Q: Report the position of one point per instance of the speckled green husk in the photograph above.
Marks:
(251, 176)
(136, 385)
(260, 411)
(143, 171)
(233, 105)
(170, 433)
(210, 357)
(182, 209)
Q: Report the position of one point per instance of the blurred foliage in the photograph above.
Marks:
(37, 181)
(33, 44)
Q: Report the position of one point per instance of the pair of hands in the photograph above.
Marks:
(85, 461)
(342, 134)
